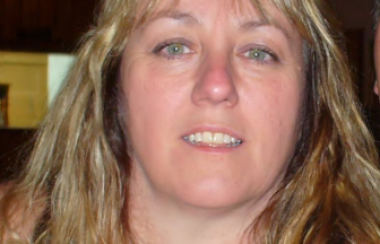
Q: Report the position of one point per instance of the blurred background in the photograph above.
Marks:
(38, 39)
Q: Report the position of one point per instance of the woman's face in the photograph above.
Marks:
(213, 97)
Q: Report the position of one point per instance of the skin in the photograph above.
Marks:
(215, 84)
(377, 60)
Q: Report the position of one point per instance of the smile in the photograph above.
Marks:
(212, 139)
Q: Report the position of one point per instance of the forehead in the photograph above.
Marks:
(241, 12)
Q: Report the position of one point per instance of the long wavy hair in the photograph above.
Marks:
(76, 180)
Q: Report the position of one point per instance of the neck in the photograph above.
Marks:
(157, 220)
(156, 225)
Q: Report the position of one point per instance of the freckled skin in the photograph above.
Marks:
(215, 83)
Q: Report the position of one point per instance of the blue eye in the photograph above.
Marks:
(257, 54)
(175, 49)
(172, 49)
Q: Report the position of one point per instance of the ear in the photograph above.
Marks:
(376, 88)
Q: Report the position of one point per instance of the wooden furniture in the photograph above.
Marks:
(28, 82)
(25, 74)
(32, 81)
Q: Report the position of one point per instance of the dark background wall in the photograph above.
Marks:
(44, 25)
(357, 21)
(356, 18)
(15, 146)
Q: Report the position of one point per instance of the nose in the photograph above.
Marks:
(215, 85)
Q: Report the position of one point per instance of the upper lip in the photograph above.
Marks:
(214, 129)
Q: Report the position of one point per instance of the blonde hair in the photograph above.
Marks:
(78, 171)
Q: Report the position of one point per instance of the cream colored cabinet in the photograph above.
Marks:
(27, 76)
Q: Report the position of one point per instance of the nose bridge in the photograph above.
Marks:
(215, 84)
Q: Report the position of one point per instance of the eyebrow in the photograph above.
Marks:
(254, 24)
(182, 17)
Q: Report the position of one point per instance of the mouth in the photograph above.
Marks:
(212, 139)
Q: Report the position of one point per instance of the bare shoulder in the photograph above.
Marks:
(14, 210)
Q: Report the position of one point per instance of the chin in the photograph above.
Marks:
(213, 194)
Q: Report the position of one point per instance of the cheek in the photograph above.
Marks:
(285, 109)
(274, 103)
(283, 105)
(153, 99)
(151, 89)
(145, 100)
(276, 99)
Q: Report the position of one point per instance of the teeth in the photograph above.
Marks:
(212, 139)
(218, 138)
(198, 137)
(192, 137)
(227, 139)
(207, 137)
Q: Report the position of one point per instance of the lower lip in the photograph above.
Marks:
(209, 149)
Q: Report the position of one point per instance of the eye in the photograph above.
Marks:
(257, 54)
(176, 49)
(172, 49)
